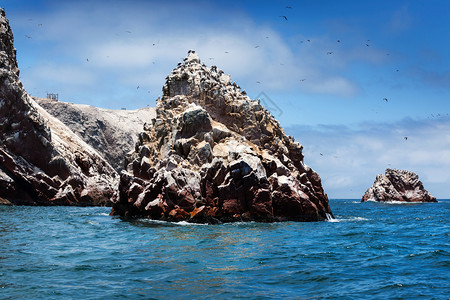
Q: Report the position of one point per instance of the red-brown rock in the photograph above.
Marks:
(217, 156)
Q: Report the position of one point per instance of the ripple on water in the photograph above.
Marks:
(376, 250)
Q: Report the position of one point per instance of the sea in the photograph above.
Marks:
(368, 251)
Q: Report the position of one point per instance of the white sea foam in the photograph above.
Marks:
(394, 202)
(351, 219)
(358, 219)
(167, 223)
(403, 202)
(334, 220)
(371, 200)
(331, 219)
(184, 223)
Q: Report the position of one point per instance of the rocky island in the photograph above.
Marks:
(42, 162)
(398, 186)
(212, 155)
(207, 153)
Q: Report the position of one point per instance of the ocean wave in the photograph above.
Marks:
(350, 219)
(167, 223)
(394, 202)
(185, 223)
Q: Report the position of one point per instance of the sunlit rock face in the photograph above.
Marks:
(398, 186)
(113, 133)
(212, 155)
(42, 162)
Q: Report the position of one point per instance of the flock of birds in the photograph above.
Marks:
(330, 53)
(285, 19)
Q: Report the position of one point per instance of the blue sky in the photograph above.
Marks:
(326, 70)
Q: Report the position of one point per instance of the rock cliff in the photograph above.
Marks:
(113, 133)
(42, 162)
(214, 155)
(397, 185)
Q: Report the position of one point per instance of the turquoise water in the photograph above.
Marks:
(371, 251)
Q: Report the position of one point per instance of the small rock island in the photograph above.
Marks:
(214, 155)
(397, 185)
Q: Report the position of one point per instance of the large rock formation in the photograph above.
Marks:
(212, 154)
(397, 185)
(42, 162)
(113, 133)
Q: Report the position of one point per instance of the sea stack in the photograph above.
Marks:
(397, 185)
(214, 155)
(42, 162)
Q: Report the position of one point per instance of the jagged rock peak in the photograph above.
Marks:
(8, 52)
(399, 186)
(212, 154)
(193, 78)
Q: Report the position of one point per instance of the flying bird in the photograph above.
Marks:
(303, 79)
(330, 52)
(284, 17)
(288, 6)
(385, 99)
(256, 46)
(28, 37)
(338, 41)
(406, 138)
(367, 45)
(309, 41)
(138, 87)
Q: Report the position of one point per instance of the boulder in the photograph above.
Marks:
(398, 186)
(214, 155)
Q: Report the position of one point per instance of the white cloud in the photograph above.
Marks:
(349, 159)
(64, 74)
(126, 42)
